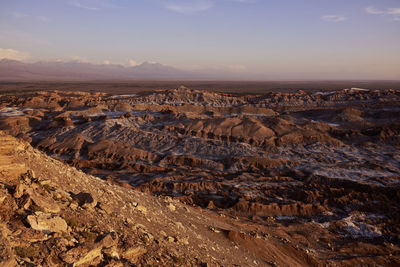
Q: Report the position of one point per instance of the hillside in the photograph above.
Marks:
(54, 215)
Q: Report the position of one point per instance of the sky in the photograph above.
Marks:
(257, 39)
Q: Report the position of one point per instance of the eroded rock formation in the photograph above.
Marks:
(327, 162)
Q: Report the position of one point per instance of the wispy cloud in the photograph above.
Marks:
(334, 18)
(393, 12)
(19, 15)
(93, 5)
(83, 5)
(189, 6)
(388, 11)
(194, 6)
(13, 54)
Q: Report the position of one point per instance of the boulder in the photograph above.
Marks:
(85, 200)
(45, 204)
(132, 254)
(47, 223)
(83, 255)
(19, 190)
(109, 240)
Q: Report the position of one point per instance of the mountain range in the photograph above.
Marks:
(12, 70)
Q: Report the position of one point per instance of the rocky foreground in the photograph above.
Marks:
(188, 177)
(54, 215)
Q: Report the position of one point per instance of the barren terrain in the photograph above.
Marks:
(235, 87)
(272, 179)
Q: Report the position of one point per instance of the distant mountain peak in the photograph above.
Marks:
(76, 70)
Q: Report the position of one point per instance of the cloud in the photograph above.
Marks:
(133, 63)
(189, 6)
(81, 4)
(79, 59)
(334, 18)
(373, 10)
(393, 12)
(19, 15)
(388, 11)
(194, 6)
(13, 54)
(93, 5)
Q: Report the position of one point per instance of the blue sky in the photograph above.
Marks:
(267, 39)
